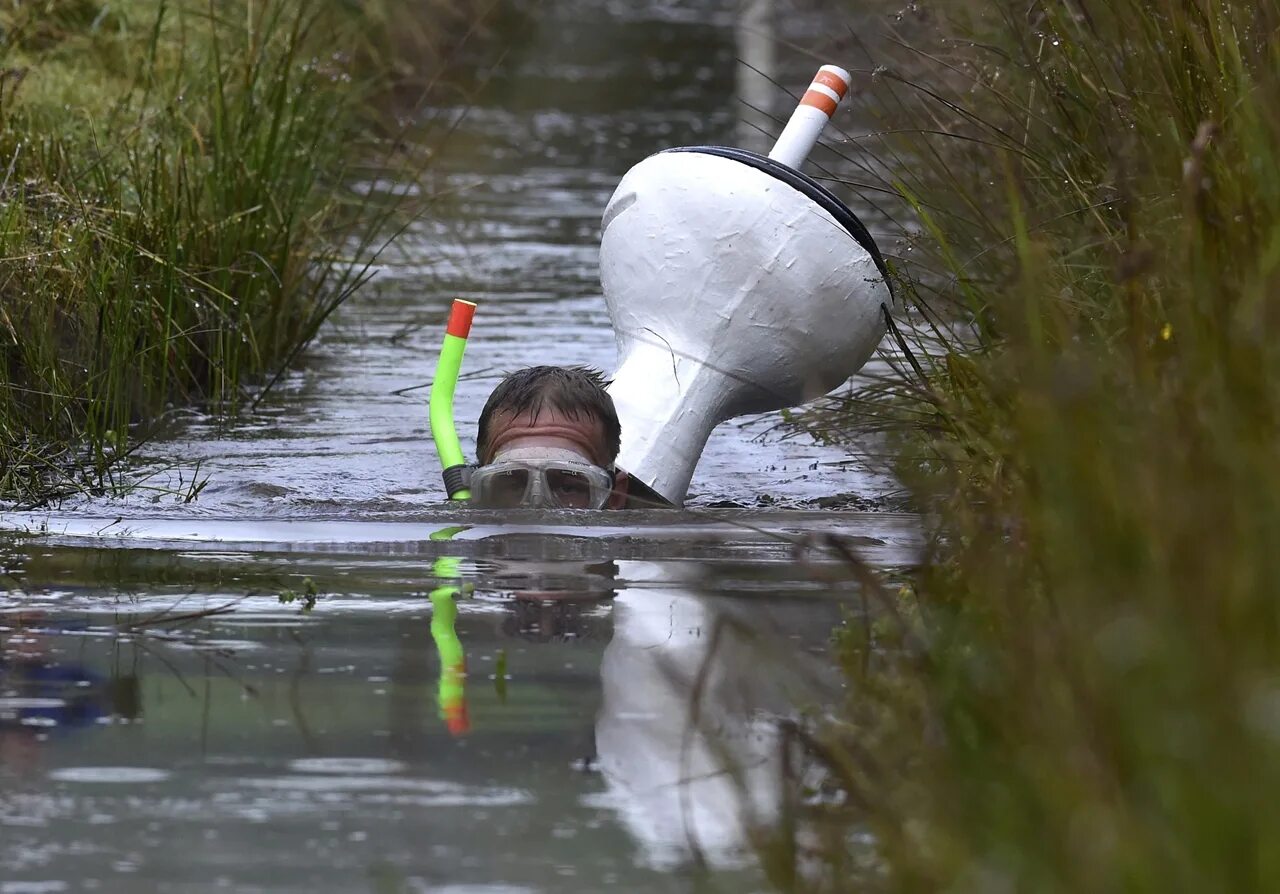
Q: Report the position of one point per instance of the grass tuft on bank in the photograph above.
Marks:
(1080, 690)
(175, 222)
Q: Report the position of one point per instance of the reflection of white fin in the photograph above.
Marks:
(730, 292)
(672, 783)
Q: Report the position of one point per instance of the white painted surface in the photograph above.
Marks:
(730, 293)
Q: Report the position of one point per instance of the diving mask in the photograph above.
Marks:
(540, 477)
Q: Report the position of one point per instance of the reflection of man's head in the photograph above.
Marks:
(558, 601)
(549, 437)
(543, 617)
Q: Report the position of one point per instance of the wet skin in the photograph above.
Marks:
(552, 428)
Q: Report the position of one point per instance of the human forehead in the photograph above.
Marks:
(552, 423)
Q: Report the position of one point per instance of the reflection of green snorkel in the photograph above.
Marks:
(443, 431)
(452, 693)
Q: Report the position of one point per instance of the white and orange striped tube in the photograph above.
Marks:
(818, 104)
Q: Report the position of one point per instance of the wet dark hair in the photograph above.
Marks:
(576, 391)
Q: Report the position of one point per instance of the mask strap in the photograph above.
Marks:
(457, 479)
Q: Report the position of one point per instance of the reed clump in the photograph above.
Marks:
(175, 221)
(1080, 690)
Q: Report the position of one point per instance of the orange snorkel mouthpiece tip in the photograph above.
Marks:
(460, 316)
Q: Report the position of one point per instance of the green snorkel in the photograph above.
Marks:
(443, 431)
(444, 610)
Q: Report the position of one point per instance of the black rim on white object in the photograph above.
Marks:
(815, 191)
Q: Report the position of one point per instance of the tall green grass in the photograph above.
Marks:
(1080, 691)
(175, 220)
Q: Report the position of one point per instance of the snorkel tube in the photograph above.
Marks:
(443, 431)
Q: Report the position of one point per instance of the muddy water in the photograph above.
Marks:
(314, 677)
(577, 707)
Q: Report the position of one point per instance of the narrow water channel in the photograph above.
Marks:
(264, 689)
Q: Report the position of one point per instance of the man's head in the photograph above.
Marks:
(557, 415)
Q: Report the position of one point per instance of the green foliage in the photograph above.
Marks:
(175, 223)
(1088, 698)
(308, 597)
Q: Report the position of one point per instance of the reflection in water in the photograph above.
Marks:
(452, 695)
(757, 75)
(629, 731)
(41, 695)
(686, 737)
(688, 741)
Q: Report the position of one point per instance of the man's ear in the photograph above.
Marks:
(618, 499)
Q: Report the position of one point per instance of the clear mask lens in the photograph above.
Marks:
(571, 489)
(506, 489)
(552, 485)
